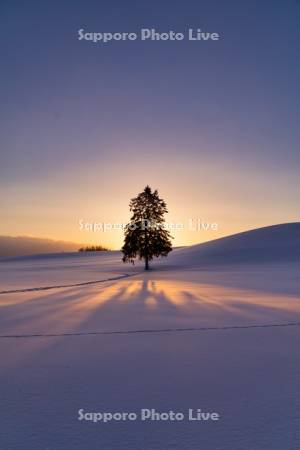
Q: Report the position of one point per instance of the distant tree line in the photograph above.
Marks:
(93, 248)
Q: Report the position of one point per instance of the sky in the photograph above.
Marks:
(214, 125)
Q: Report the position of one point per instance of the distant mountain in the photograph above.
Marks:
(23, 245)
(272, 244)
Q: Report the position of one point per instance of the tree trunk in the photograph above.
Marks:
(146, 250)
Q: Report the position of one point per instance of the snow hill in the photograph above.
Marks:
(203, 329)
(25, 245)
(276, 243)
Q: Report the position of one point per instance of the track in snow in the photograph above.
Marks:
(162, 330)
(86, 283)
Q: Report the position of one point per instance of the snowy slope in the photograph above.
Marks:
(277, 243)
(194, 332)
(25, 245)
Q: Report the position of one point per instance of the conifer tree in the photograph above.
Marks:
(146, 235)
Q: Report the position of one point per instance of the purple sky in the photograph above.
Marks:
(212, 125)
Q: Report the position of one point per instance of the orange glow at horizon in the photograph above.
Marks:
(213, 194)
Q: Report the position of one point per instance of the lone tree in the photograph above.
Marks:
(146, 235)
